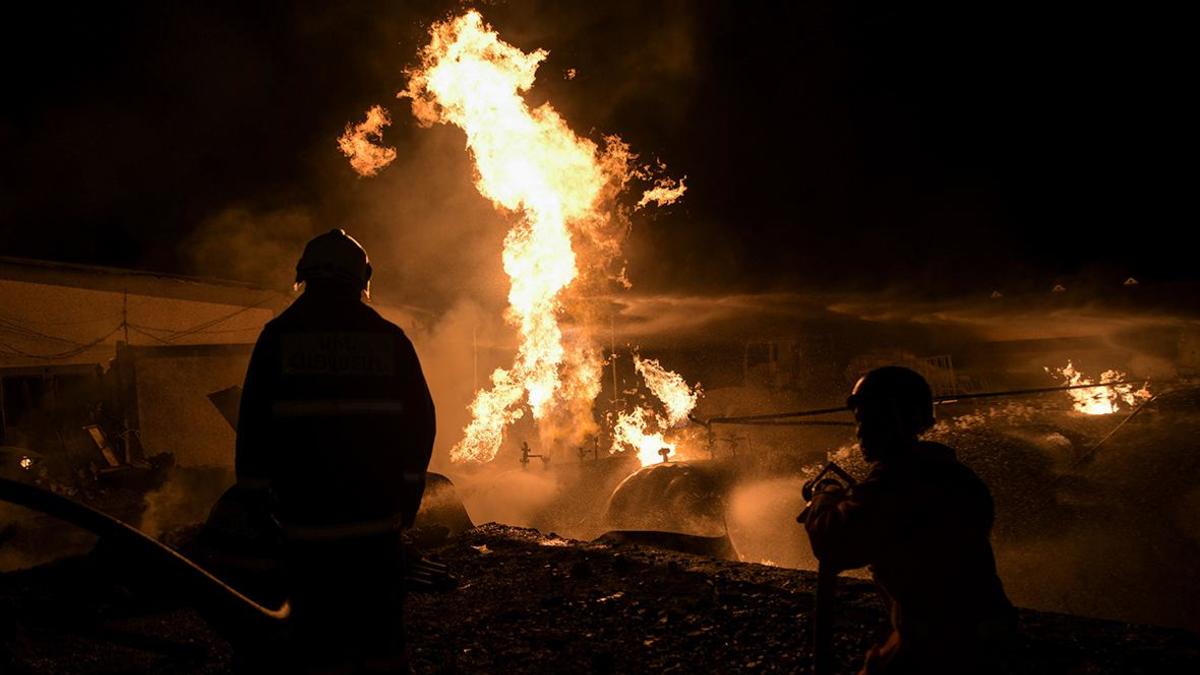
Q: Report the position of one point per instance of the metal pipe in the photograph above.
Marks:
(752, 419)
(798, 423)
(1027, 392)
(774, 416)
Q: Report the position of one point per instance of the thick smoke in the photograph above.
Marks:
(512, 496)
(239, 243)
(457, 352)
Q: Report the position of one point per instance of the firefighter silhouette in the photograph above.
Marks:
(336, 424)
(921, 520)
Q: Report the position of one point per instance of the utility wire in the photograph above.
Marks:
(203, 326)
(218, 331)
(140, 331)
(16, 328)
(48, 322)
(6, 348)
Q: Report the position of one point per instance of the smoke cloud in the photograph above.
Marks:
(242, 244)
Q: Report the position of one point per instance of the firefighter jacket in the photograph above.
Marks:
(336, 419)
(921, 521)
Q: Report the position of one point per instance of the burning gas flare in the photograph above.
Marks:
(669, 387)
(530, 163)
(644, 431)
(633, 431)
(366, 157)
(1100, 400)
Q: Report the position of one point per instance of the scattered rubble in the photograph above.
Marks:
(530, 602)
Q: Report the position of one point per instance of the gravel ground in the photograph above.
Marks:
(535, 603)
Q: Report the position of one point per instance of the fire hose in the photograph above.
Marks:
(826, 591)
(213, 596)
(215, 599)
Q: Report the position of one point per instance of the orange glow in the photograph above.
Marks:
(632, 432)
(560, 189)
(665, 191)
(1100, 400)
(366, 157)
(644, 431)
(678, 398)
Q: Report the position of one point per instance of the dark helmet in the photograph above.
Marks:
(335, 256)
(897, 386)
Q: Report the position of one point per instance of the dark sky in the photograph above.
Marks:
(941, 147)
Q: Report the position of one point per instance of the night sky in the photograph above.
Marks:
(941, 148)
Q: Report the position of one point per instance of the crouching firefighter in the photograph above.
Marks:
(921, 520)
(336, 425)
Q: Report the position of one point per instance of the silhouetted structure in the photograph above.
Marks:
(922, 521)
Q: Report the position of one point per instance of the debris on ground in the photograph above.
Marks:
(538, 603)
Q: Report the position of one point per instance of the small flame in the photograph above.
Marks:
(26, 463)
(666, 191)
(675, 394)
(632, 432)
(1100, 400)
(644, 431)
(366, 157)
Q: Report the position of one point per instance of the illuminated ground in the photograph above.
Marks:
(533, 603)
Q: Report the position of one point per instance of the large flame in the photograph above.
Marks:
(1100, 400)
(528, 162)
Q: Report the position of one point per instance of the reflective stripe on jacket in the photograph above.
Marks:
(336, 416)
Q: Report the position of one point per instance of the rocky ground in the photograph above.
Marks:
(529, 602)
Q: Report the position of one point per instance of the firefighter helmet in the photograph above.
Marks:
(335, 256)
(901, 387)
